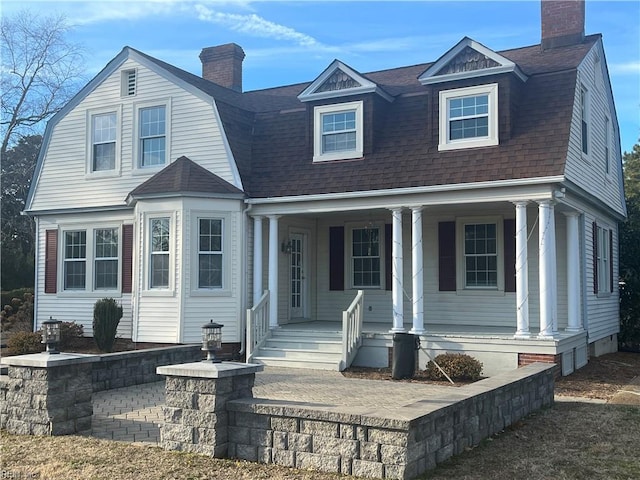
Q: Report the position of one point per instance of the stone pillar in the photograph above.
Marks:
(573, 273)
(547, 257)
(273, 271)
(417, 266)
(257, 259)
(396, 271)
(48, 394)
(195, 411)
(522, 272)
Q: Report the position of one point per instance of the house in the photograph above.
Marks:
(473, 201)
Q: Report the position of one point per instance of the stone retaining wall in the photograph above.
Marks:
(123, 369)
(399, 444)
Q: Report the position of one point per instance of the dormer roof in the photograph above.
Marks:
(340, 80)
(468, 59)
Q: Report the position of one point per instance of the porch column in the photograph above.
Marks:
(257, 259)
(573, 273)
(417, 270)
(273, 271)
(396, 271)
(522, 272)
(547, 256)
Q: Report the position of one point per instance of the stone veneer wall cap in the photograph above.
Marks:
(210, 370)
(135, 353)
(46, 360)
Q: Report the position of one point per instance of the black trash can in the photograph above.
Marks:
(404, 355)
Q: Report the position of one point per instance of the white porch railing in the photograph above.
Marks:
(257, 325)
(352, 330)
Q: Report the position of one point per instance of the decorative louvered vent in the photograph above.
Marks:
(128, 83)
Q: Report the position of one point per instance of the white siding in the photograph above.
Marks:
(588, 171)
(192, 131)
(76, 306)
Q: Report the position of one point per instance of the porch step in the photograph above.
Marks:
(315, 349)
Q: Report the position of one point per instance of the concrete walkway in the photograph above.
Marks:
(133, 414)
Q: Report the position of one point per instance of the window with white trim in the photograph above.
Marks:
(604, 255)
(106, 259)
(159, 241)
(584, 119)
(103, 141)
(338, 131)
(366, 258)
(481, 255)
(75, 260)
(468, 117)
(210, 253)
(152, 138)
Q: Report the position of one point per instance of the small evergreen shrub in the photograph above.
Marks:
(458, 366)
(17, 312)
(106, 317)
(69, 333)
(22, 343)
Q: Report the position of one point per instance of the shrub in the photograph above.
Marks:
(21, 343)
(457, 365)
(17, 312)
(106, 317)
(69, 333)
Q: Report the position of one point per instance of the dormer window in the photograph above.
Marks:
(338, 132)
(469, 117)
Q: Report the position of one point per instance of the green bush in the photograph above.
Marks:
(106, 317)
(17, 312)
(69, 333)
(21, 343)
(457, 365)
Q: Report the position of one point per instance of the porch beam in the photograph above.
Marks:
(396, 271)
(522, 272)
(257, 259)
(417, 267)
(573, 273)
(547, 258)
(273, 271)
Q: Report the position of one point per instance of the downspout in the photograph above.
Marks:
(245, 267)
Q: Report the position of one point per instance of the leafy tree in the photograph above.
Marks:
(40, 72)
(17, 231)
(630, 253)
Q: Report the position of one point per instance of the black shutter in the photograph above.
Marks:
(595, 257)
(447, 256)
(51, 261)
(336, 258)
(509, 234)
(388, 259)
(127, 257)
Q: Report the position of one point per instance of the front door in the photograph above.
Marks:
(298, 289)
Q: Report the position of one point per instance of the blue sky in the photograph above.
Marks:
(290, 42)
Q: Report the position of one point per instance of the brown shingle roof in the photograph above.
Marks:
(268, 132)
(183, 177)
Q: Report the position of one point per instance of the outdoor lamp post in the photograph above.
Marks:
(51, 334)
(211, 340)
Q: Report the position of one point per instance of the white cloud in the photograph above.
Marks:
(632, 67)
(255, 25)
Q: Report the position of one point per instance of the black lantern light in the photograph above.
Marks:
(211, 340)
(51, 334)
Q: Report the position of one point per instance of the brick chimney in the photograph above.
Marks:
(223, 65)
(562, 23)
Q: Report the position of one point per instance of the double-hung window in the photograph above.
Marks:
(469, 117)
(210, 252)
(365, 257)
(159, 250)
(75, 260)
(604, 256)
(338, 131)
(103, 148)
(106, 259)
(152, 130)
(480, 255)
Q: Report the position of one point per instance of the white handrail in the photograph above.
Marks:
(257, 325)
(352, 330)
